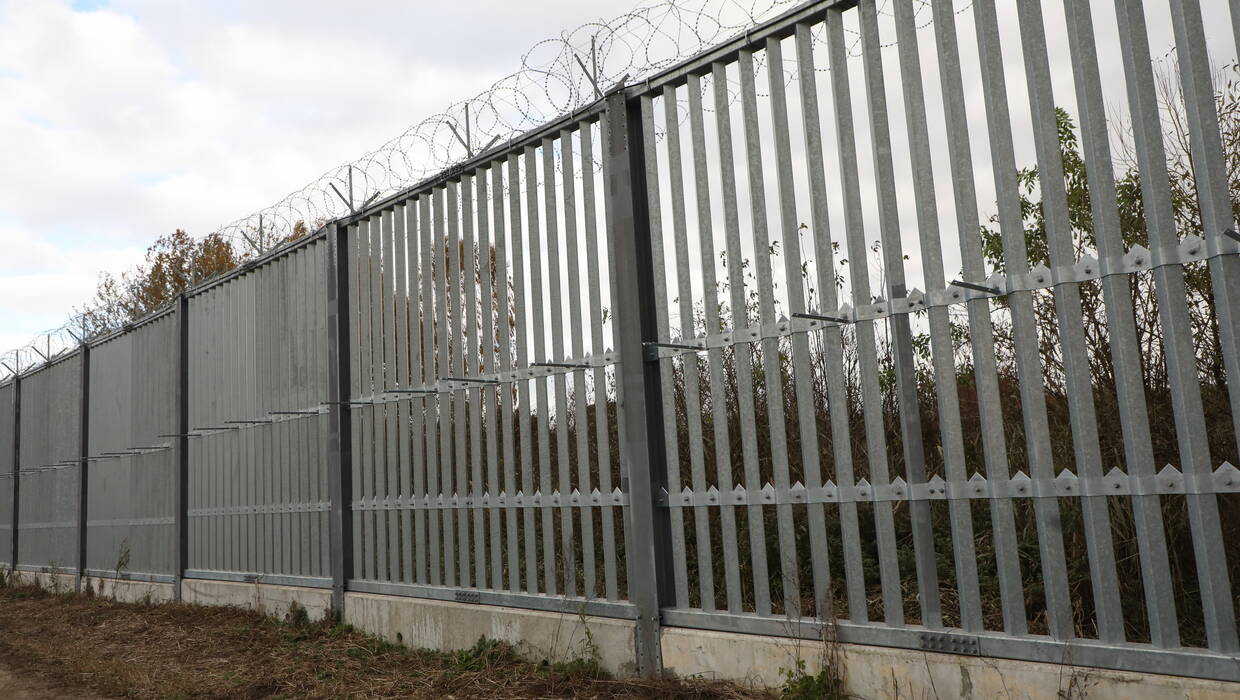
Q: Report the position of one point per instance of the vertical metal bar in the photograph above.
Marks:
(326, 376)
(247, 394)
(487, 267)
(575, 318)
(340, 425)
(898, 324)
(199, 454)
(304, 292)
(366, 537)
(1024, 329)
(313, 394)
(876, 442)
(216, 378)
(416, 265)
(444, 246)
(522, 358)
(649, 555)
(270, 305)
(276, 483)
(403, 353)
(15, 501)
(469, 263)
(602, 430)
(181, 481)
(667, 387)
(376, 556)
(555, 324)
(744, 348)
(224, 409)
(430, 263)
(503, 320)
(539, 343)
(393, 465)
(357, 336)
(691, 373)
(456, 353)
(941, 347)
(256, 435)
(981, 329)
(83, 466)
(239, 323)
(303, 296)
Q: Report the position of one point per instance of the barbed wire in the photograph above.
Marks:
(557, 76)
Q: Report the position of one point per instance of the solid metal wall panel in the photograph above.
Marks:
(50, 406)
(256, 396)
(8, 393)
(133, 409)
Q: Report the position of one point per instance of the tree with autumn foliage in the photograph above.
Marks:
(172, 264)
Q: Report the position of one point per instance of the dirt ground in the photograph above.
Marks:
(20, 686)
(81, 647)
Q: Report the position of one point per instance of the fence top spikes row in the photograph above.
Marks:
(519, 499)
(1168, 481)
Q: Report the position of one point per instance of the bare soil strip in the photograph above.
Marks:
(82, 643)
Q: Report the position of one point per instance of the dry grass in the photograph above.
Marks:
(185, 651)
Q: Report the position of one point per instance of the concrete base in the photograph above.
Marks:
(883, 673)
(125, 590)
(56, 582)
(263, 597)
(130, 591)
(537, 635)
(880, 673)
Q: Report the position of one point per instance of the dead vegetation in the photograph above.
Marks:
(185, 651)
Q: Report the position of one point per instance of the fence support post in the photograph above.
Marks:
(642, 449)
(17, 455)
(181, 479)
(340, 437)
(83, 465)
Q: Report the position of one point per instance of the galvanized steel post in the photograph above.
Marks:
(83, 464)
(340, 437)
(644, 465)
(181, 479)
(17, 453)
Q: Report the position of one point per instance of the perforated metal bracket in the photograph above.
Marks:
(949, 643)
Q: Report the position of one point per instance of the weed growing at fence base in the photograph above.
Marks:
(182, 651)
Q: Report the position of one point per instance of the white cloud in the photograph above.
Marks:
(134, 118)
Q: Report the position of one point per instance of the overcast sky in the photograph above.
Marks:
(126, 119)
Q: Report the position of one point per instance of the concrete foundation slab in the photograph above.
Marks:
(884, 673)
(537, 635)
(130, 591)
(266, 598)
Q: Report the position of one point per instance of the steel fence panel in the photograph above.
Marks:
(8, 464)
(132, 410)
(48, 459)
(491, 445)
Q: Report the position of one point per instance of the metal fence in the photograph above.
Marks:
(636, 363)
